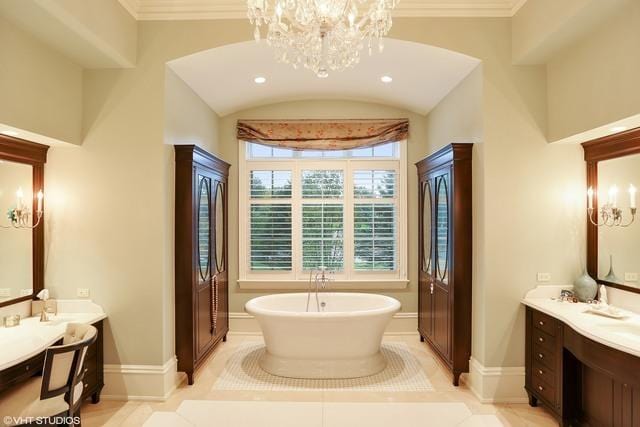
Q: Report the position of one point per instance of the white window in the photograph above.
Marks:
(342, 210)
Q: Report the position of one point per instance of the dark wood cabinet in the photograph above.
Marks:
(201, 278)
(445, 250)
(580, 381)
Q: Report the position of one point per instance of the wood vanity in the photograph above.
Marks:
(22, 347)
(93, 369)
(581, 381)
(586, 368)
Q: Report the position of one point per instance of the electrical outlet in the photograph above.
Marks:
(630, 277)
(5, 292)
(544, 277)
(83, 293)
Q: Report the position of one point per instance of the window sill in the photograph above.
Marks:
(351, 285)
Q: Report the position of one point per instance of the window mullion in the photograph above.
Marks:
(296, 207)
(348, 221)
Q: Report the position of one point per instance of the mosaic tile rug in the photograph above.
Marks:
(403, 373)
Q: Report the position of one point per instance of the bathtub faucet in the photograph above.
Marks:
(318, 280)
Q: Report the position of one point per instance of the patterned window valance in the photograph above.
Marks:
(322, 134)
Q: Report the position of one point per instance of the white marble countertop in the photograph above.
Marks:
(31, 337)
(621, 334)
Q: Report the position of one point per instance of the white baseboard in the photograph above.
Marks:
(496, 385)
(245, 324)
(141, 382)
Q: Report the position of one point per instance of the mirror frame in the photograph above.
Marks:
(606, 148)
(21, 151)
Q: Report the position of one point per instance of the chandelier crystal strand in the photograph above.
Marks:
(321, 35)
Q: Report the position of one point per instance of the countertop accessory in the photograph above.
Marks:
(606, 310)
(603, 295)
(585, 287)
(11, 321)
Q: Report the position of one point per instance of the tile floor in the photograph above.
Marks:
(202, 405)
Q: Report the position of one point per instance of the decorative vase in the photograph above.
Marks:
(611, 275)
(585, 288)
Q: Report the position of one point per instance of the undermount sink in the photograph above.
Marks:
(627, 330)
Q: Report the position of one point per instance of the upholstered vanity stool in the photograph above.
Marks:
(58, 392)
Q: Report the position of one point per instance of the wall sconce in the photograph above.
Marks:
(610, 214)
(21, 214)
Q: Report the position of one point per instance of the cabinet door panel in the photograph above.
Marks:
(441, 319)
(203, 319)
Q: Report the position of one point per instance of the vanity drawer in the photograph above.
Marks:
(545, 323)
(544, 355)
(544, 390)
(544, 373)
(21, 371)
(544, 340)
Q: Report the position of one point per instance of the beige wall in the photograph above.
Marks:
(543, 27)
(15, 245)
(94, 34)
(594, 82)
(323, 109)
(111, 226)
(41, 90)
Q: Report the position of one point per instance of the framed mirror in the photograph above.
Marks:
(427, 207)
(613, 226)
(22, 247)
(219, 210)
(204, 226)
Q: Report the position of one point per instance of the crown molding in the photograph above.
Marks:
(151, 10)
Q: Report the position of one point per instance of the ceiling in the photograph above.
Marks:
(422, 75)
(233, 9)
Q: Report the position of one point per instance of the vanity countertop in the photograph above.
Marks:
(622, 334)
(31, 337)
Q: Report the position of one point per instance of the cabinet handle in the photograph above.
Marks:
(540, 388)
(540, 339)
(431, 288)
(540, 356)
(26, 368)
(541, 323)
(540, 371)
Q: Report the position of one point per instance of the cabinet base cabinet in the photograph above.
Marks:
(201, 248)
(581, 382)
(445, 251)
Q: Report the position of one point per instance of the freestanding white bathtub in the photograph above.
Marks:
(341, 341)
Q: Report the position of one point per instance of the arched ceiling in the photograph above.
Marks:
(422, 75)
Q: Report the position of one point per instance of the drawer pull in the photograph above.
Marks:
(540, 339)
(86, 385)
(540, 356)
(26, 368)
(540, 371)
(541, 323)
(540, 388)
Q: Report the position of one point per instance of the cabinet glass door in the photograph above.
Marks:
(219, 228)
(204, 227)
(427, 208)
(442, 228)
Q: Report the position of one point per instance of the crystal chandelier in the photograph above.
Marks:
(321, 35)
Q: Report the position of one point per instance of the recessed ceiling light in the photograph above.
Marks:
(386, 79)
(616, 129)
(260, 80)
(9, 133)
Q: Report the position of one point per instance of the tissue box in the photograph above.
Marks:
(50, 305)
